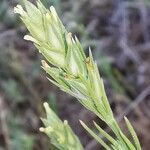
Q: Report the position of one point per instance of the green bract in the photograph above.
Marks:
(73, 73)
(51, 38)
(60, 132)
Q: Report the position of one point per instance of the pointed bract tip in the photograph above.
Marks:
(81, 121)
(30, 38)
(45, 104)
(41, 129)
(19, 10)
(125, 117)
(94, 122)
(47, 108)
(44, 64)
(65, 122)
(52, 9)
(90, 52)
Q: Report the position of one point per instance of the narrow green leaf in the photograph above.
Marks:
(105, 134)
(96, 137)
(128, 145)
(133, 133)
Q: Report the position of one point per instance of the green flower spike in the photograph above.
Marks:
(60, 132)
(73, 72)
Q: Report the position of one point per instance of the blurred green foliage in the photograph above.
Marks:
(6, 14)
(52, 101)
(12, 90)
(19, 138)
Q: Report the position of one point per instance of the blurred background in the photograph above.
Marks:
(118, 32)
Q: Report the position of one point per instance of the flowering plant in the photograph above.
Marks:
(74, 73)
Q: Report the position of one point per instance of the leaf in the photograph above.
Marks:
(133, 133)
(96, 137)
(105, 134)
(128, 145)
